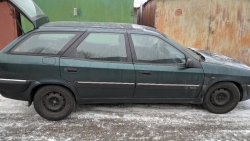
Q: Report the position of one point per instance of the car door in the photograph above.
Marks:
(160, 69)
(99, 65)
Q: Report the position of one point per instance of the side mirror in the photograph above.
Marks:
(189, 63)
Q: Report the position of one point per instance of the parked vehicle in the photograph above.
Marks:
(59, 64)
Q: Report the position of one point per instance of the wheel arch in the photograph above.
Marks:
(237, 84)
(34, 90)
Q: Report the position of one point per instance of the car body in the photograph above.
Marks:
(59, 64)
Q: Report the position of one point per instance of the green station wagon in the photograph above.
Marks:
(59, 64)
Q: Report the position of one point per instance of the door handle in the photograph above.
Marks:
(70, 70)
(145, 73)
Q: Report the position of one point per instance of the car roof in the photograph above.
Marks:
(101, 25)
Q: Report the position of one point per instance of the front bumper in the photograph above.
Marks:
(246, 92)
(248, 89)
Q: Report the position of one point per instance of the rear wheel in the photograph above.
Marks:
(54, 102)
(221, 98)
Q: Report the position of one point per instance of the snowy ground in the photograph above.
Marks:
(125, 122)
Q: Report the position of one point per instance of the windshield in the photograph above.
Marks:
(29, 7)
(186, 49)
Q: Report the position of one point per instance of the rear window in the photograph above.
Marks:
(44, 43)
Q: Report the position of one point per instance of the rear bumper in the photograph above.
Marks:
(15, 89)
(13, 85)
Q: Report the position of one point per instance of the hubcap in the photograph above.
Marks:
(220, 97)
(54, 102)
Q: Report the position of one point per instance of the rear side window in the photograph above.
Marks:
(103, 47)
(44, 43)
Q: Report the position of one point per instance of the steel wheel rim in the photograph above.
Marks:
(220, 97)
(54, 102)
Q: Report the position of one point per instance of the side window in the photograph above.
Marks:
(102, 46)
(44, 43)
(151, 49)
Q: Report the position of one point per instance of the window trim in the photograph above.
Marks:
(68, 53)
(157, 64)
(66, 46)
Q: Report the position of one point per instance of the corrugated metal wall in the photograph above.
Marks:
(184, 21)
(222, 26)
(148, 16)
(230, 28)
(88, 10)
(8, 26)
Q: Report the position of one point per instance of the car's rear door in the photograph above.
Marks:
(160, 69)
(30, 10)
(99, 65)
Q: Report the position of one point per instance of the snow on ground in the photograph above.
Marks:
(125, 122)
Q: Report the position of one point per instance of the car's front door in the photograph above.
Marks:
(99, 65)
(160, 70)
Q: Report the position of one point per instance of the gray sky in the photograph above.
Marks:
(137, 2)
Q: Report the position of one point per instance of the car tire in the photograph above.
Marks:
(54, 102)
(221, 98)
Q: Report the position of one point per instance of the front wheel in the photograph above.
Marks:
(53, 102)
(221, 98)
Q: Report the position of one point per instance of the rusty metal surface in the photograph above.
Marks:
(222, 26)
(148, 17)
(137, 13)
(230, 29)
(185, 21)
(8, 27)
